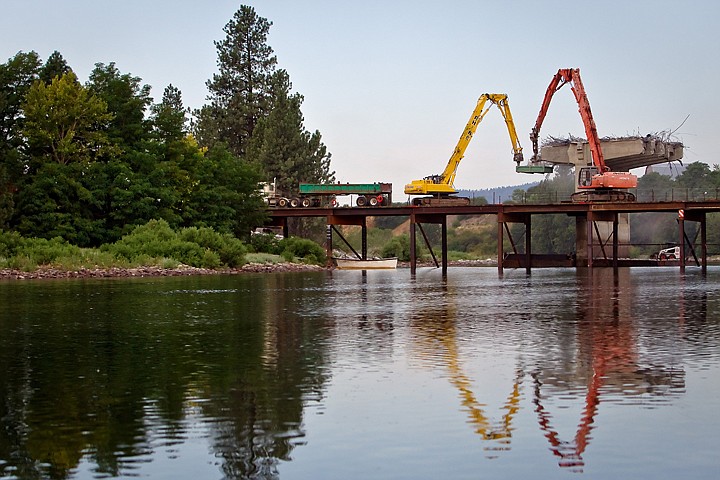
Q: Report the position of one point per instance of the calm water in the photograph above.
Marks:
(349, 376)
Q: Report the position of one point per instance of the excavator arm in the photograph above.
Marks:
(562, 77)
(596, 182)
(442, 184)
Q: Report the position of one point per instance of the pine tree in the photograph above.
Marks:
(239, 92)
(282, 147)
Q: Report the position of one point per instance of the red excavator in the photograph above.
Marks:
(596, 183)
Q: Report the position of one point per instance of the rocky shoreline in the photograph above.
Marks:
(140, 272)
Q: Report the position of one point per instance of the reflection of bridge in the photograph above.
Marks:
(587, 215)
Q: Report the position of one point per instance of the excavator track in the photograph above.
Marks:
(441, 201)
(608, 196)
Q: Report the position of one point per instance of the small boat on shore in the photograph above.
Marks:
(369, 264)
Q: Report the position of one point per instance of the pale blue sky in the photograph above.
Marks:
(391, 84)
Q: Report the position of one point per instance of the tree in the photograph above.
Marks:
(55, 66)
(16, 77)
(281, 145)
(64, 122)
(168, 116)
(225, 195)
(239, 92)
(127, 100)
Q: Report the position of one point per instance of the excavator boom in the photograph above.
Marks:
(441, 186)
(596, 183)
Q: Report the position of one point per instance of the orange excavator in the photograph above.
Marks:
(596, 183)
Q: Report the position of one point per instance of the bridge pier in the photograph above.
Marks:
(416, 221)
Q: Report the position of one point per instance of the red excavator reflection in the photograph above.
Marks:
(606, 350)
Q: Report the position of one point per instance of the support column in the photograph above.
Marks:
(589, 233)
(444, 246)
(703, 241)
(500, 237)
(528, 251)
(413, 251)
(681, 228)
(615, 242)
(363, 234)
(328, 245)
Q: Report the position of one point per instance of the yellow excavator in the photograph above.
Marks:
(440, 187)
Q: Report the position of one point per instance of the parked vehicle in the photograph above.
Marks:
(325, 195)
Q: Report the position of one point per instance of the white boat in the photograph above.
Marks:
(369, 264)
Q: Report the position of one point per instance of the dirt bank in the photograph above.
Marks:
(50, 273)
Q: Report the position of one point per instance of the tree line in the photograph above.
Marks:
(89, 161)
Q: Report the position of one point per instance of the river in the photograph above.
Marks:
(345, 375)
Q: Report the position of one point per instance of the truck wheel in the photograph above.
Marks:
(305, 202)
(361, 201)
(373, 201)
(294, 202)
(282, 202)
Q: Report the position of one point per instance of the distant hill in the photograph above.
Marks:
(496, 194)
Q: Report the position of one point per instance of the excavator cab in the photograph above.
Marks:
(585, 177)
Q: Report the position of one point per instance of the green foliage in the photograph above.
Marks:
(398, 247)
(194, 247)
(266, 243)
(307, 250)
(281, 145)
(127, 101)
(240, 91)
(27, 253)
(63, 121)
(230, 250)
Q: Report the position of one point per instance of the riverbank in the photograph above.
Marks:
(150, 271)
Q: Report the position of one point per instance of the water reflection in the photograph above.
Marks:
(436, 340)
(189, 377)
(606, 363)
(140, 368)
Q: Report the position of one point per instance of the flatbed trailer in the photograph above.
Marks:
(376, 194)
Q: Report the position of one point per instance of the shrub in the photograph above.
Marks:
(302, 248)
(265, 243)
(196, 247)
(230, 250)
(398, 247)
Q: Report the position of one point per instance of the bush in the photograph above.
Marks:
(398, 247)
(265, 243)
(197, 247)
(302, 248)
(27, 253)
(230, 250)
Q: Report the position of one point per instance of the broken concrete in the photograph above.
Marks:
(621, 154)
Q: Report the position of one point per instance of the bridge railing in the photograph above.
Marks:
(642, 195)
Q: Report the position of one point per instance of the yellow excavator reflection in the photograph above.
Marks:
(437, 342)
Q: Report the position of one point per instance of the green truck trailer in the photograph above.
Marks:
(325, 195)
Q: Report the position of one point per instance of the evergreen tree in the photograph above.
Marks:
(16, 77)
(55, 66)
(239, 92)
(283, 148)
(168, 116)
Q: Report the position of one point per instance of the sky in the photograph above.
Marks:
(390, 84)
